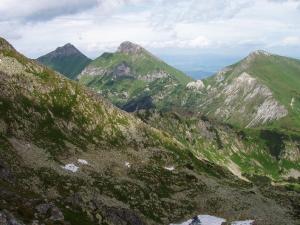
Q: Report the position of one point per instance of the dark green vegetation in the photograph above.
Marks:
(67, 60)
(47, 121)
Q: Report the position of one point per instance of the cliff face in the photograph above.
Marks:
(245, 100)
(258, 91)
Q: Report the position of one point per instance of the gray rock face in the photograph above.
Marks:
(65, 50)
(249, 91)
(121, 70)
(128, 47)
(5, 173)
(154, 76)
(52, 210)
(7, 218)
(92, 71)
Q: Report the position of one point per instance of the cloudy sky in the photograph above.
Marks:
(190, 34)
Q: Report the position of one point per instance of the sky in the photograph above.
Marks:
(189, 34)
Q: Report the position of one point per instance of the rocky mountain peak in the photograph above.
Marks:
(259, 53)
(4, 45)
(128, 47)
(66, 50)
(254, 56)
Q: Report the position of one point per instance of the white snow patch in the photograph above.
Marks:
(127, 164)
(82, 161)
(204, 220)
(71, 167)
(170, 168)
(197, 85)
(212, 220)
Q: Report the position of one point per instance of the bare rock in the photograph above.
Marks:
(128, 47)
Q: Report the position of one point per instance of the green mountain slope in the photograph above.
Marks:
(67, 60)
(261, 90)
(69, 157)
(131, 74)
(245, 152)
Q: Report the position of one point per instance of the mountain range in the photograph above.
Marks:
(70, 156)
(260, 90)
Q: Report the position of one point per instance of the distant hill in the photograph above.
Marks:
(67, 60)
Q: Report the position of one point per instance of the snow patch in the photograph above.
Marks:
(127, 164)
(71, 167)
(170, 168)
(212, 220)
(203, 220)
(196, 85)
(82, 161)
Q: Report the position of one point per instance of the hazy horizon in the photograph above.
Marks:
(190, 35)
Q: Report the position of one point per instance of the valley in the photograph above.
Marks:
(131, 140)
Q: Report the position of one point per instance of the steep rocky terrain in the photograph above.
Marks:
(67, 60)
(69, 157)
(245, 152)
(131, 76)
(261, 90)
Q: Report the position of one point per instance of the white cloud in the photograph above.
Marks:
(38, 26)
(168, 13)
(198, 42)
(41, 9)
(291, 41)
(37, 10)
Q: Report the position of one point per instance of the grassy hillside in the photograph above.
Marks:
(282, 76)
(246, 152)
(125, 77)
(69, 157)
(261, 90)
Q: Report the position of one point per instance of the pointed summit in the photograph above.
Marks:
(66, 50)
(128, 47)
(67, 60)
(260, 53)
